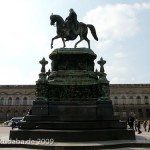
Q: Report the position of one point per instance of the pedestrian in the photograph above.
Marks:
(130, 121)
(139, 127)
(145, 125)
(29, 112)
(148, 123)
(136, 124)
(13, 125)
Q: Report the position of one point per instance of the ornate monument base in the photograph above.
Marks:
(73, 103)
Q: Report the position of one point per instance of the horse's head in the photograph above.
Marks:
(52, 19)
(56, 18)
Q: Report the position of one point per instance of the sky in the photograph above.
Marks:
(122, 26)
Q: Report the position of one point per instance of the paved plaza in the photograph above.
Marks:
(142, 142)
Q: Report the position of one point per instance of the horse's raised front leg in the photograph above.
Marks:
(63, 42)
(56, 37)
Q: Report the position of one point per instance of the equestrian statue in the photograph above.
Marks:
(71, 28)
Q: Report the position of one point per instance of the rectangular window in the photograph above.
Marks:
(1, 102)
(116, 101)
(124, 114)
(140, 112)
(116, 113)
(147, 113)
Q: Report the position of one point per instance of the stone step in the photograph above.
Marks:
(73, 135)
(68, 117)
(59, 125)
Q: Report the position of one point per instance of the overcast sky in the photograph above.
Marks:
(123, 29)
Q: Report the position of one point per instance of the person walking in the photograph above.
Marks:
(130, 121)
(14, 124)
(148, 123)
(145, 125)
(139, 127)
(136, 124)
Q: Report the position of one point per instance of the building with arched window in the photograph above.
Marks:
(131, 99)
(15, 100)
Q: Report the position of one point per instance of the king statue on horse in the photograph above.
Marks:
(71, 22)
(71, 28)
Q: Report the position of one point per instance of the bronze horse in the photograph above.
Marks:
(65, 35)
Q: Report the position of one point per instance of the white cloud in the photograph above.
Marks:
(116, 69)
(116, 21)
(106, 44)
(120, 55)
(116, 74)
(18, 28)
(118, 80)
(24, 42)
(141, 6)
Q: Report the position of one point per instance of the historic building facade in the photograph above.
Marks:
(15, 100)
(131, 99)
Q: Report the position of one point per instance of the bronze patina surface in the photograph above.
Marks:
(72, 102)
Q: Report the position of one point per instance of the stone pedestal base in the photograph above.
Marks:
(72, 122)
(73, 103)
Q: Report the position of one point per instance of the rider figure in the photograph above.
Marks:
(71, 22)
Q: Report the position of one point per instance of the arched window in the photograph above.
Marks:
(131, 100)
(2, 101)
(17, 102)
(146, 100)
(24, 101)
(9, 101)
(116, 100)
(138, 100)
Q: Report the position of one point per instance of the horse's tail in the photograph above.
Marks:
(93, 31)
